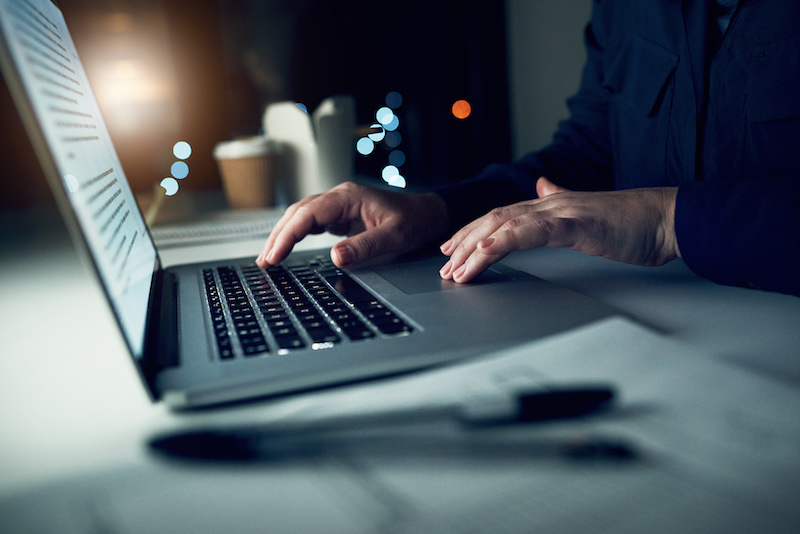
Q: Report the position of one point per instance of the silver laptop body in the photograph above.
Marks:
(410, 318)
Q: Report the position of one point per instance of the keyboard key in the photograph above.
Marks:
(276, 299)
(357, 333)
(291, 341)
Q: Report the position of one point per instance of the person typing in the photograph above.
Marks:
(681, 142)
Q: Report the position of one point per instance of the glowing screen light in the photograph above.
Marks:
(461, 109)
(182, 150)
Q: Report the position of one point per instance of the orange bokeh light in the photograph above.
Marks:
(461, 109)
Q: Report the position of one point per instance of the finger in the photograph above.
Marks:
(467, 238)
(475, 264)
(306, 217)
(528, 231)
(261, 260)
(287, 215)
(372, 243)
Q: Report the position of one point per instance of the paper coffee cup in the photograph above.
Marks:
(249, 171)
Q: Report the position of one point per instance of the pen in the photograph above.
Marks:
(276, 441)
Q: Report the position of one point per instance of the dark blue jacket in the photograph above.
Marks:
(654, 109)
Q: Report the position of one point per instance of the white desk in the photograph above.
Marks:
(75, 420)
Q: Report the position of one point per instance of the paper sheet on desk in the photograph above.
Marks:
(720, 452)
(720, 446)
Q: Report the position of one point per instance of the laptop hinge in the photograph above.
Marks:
(161, 345)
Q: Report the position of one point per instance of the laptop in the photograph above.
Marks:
(227, 331)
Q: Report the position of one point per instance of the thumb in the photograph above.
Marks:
(545, 187)
(364, 246)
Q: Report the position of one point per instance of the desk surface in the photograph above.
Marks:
(75, 419)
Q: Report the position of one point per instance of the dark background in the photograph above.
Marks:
(211, 66)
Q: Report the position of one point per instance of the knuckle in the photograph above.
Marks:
(346, 188)
(513, 223)
(498, 215)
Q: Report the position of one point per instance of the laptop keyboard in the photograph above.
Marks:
(256, 312)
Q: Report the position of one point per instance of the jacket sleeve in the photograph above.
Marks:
(578, 157)
(743, 233)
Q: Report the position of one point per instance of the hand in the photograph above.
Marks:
(632, 226)
(379, 222)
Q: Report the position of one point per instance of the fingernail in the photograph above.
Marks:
(445, 248)
(486, 243)
(445, 270)
(460, 271)
(345, 255)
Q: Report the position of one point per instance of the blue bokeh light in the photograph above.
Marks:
(377, 137)
(393, 139)
(179, 170)
(365, 146)
(394, 100)
(393, 124)
(384, 115)
(389, 172)
(182, 150)
(397, 158)
(397, 181)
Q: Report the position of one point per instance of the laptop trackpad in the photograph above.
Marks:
(423, 277)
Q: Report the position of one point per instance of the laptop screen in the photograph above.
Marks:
(46, 78)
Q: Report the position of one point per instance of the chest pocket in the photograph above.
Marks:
(638, 78)
(772, 109)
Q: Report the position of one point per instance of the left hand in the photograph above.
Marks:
(632, 226)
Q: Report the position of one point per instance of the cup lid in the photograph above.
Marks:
(245, 147)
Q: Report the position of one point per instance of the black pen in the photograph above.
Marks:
(548, 403)
(274, 441)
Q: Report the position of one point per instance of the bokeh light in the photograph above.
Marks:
(384, 115)
(394, 100)
(385, 131)
(393, 139)
(179, 170)
(397, 181)
(182, 150)
(389, 171)
(170, 186)
(397, 158)
(393, 124)
(377, 137)
(461, 109)
(365, 146)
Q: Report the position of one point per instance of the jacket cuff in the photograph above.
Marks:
(497, 185)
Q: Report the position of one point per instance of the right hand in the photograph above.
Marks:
(379, 222)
